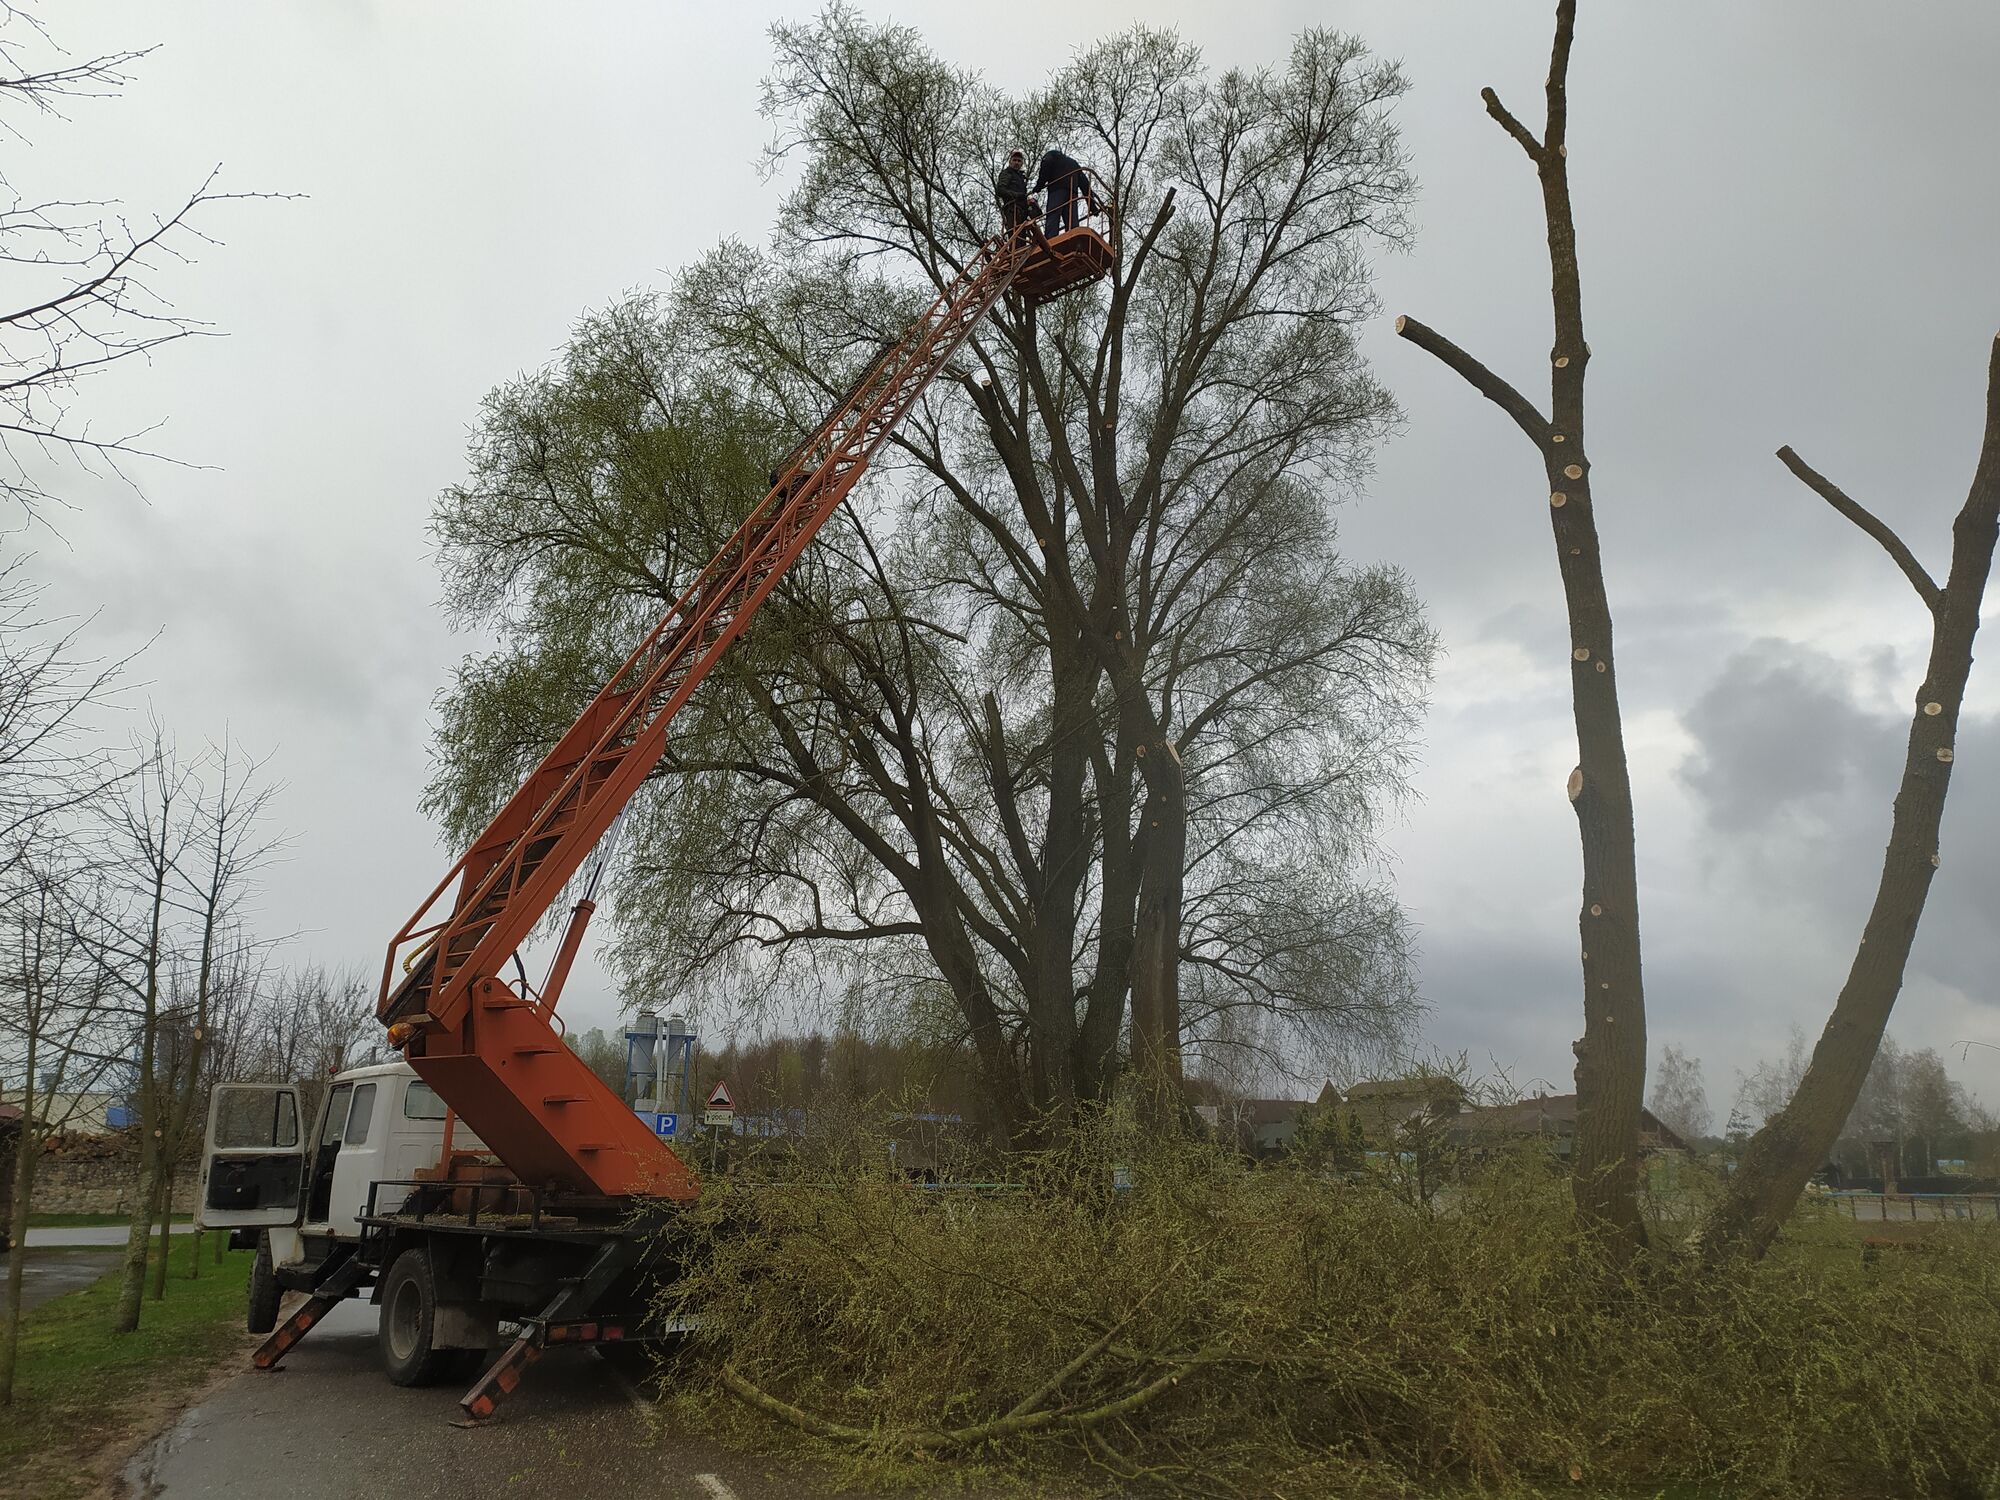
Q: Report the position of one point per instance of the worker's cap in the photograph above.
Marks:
(1016, 156)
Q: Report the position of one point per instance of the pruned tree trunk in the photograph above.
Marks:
(1156, 945)
(139, 1234)
(1611, 1055)
(164, 1211)
(1795, 1142)
(25, 1151)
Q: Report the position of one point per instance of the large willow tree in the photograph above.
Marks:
(1071, 733)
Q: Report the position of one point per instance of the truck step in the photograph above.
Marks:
(562, 1098)
(533, 1051)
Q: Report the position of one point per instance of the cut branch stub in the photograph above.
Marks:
(1581, 653)
(1576, 783)
(1558, 500)
(1573, 471)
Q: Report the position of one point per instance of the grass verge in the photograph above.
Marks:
(81, 1391)
(88, 1221)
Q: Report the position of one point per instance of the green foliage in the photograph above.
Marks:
(1304, 1336)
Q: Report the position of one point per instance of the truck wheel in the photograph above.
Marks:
(409, 1313)
(265, 1293)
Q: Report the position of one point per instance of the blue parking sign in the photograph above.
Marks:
(662, 1125)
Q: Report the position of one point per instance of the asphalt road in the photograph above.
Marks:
(49, 1273)
(329, 1426)
(87, 1234)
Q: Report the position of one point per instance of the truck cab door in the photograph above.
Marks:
(253, 1161)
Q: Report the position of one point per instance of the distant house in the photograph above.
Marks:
(81, 1113)
(1264, 1128)
(1552, 1117)
(1384, 1107)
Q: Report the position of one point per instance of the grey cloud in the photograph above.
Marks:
(1796, 775)
(1777, 731)
(477, 179)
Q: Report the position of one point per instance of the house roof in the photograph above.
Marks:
(1550, 1114)
(1257, 1113)
(1405, 1088)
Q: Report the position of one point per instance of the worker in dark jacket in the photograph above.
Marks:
(1010, 191)
(1064, 180)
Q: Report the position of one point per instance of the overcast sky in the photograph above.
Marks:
(1788, 216)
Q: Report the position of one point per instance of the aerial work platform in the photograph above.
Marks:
(1058, 264)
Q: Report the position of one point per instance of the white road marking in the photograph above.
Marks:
(626, 1384)
(717, 1490)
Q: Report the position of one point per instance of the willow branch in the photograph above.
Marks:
(958, 1437)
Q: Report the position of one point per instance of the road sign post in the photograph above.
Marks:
(718, 1117)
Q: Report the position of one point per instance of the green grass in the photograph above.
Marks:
(80, 1389)
(87, 1221)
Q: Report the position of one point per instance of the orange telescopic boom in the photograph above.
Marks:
(493, 1052)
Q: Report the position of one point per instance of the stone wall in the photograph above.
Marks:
(97, 1175)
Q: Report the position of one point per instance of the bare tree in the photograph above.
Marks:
(130, 928)
(1680, 1099)
(183, 842)
(1794, 1141)
(227, 844)
(1936, 1107)
(303, 1025)
(51, 998)
(1877, 1116)
(50, 764)
(1611, 1055)
(88, 297)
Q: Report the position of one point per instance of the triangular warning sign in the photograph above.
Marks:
(719, 1097)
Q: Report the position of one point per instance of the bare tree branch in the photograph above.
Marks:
(1512, 126)
(1860, 515)
(1481, 379)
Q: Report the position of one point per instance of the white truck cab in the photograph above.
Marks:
(376, 1125)
(353, 1208)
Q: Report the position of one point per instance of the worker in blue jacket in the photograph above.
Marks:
(1064, 180)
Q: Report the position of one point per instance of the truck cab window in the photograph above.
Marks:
(250, 1118)
(420, 1102)
(335, 1119)
(358, 1115)
(319, 1202)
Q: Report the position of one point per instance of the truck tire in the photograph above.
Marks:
(265, 1293)
(409, 1313)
